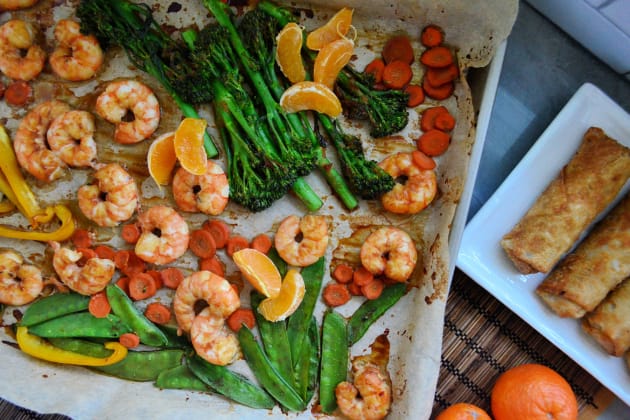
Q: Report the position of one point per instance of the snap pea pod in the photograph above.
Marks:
(371, 310)
(229, 384)
(280, 264)
(180, 377)
(275, 340)
(307, 366)
(334, 360)
(122, 306)
(81, 324)
(174, 340)
(298, 323)
(266, 374)
(54, 306)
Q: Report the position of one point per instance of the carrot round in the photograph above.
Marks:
(416, 95)
(130, 233)
(398, 48)
(18, 93)
(157, 278)
(105, 252)
(335, 294)
(354, 289)
(86, 253)
(220, 231)
(439, 76)
(239, 317)
(262, 243)
(445, 122)
(98, 305)
(373, 289)
(121, 259)
(431, 36)
(236, 243)
(437, 57)
(422, 161)
(171, 277)
(158, 313)
(343, 273)
(427, 120)
(129, 340)
(82, 238)
(362, 276)
(433, 142)
(375, 68)
(212, 264)
(141, 286)
(134, 265)
(123, 284)
(397, 74)
(202, 243)
(440, 92)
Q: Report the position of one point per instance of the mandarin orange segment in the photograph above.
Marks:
(331, 59)
(288, 52)
(161, 158)
(309, 95)
(332, 30)
(290, 296)
(259, 270)
(188, 143)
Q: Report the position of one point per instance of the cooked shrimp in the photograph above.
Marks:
(30, 142)
(78, 57)
(213, 340)
(70, 136)
(112, 198)
(15, 37)
(418, 190)
(207, 193)
(86, 279)
(164, 236)
(390, 251)
(16, 4)
(313, 231)
(19, 283)
(129, 95)
(208, 287)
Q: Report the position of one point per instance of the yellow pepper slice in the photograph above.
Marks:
(6, 206)
(42, 349)
(64, 232)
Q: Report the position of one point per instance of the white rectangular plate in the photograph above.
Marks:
(482, 258)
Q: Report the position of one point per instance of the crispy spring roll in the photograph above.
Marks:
(582, 190)
(598, 264)
(609, 323)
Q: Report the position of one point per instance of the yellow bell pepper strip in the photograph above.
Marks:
(6, 206)
(5, 188)
(42, 349)
(64, 231)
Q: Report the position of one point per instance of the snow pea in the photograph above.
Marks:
(307, 365)
(334, 360)
(81, 324)
(180, 377)
(173, 340)
(371, 310)
(54, 306)
(123, 306)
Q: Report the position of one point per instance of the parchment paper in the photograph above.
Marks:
(414, 325)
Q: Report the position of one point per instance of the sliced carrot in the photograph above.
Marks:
(433, 142)
(105, 252)
(398, 48)
(437, 57)
(362, 276)
(427, 120)
(373, 289)
(212, 264)
(18, 93)
(87, 253)
(99, 306)
(335, 294)
(354, 289)
(239, 317)
(82, 238)
(171, 277)
(375, 68)
(439, 93)
(130, 233)
(157, 278)
(380, 86)
(158, 313)
(422, 161)
(202, 243)
(141, 286)
(129, 340)
(431, 36)
(343, 273)
(437, 77)
(445, 122)
(134, 265)
(220, 231)
(261, 243)
(121, 259)
(397, 74)
(416, 95)
(236, 243)
(123, 283)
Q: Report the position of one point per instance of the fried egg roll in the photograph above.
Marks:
(609, 323)
(598, 264)
(581, 191)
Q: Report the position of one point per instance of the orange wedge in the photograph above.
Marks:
(188, 143)
(161, 158)
(331, 59)
(259, 270)
(289, 299)
(288, 52)
(334, 29)
(309, 95)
